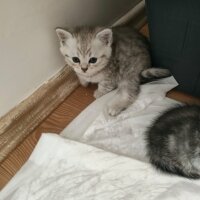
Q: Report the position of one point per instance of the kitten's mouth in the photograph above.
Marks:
(83, 73)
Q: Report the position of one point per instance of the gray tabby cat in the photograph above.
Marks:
(173, 141)
(112, 57)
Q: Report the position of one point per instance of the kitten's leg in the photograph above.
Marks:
(83, 82)
(103, 88)
(126, 95)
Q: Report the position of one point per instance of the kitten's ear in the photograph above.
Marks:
(63, 35)
(105, 36)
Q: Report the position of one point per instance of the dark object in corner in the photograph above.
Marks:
(174, 28)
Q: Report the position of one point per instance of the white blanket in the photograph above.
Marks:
(123, 134)
(64, 169)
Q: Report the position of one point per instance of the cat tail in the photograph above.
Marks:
(155, 73)
(152, 74)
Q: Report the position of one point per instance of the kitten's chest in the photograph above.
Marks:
(94, 79)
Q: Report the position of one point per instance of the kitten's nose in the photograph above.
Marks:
(84, 69)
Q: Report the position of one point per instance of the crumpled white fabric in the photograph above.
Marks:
(123, 134)
(61, 168)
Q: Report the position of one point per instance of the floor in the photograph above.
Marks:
(55, 123)
(58, 120)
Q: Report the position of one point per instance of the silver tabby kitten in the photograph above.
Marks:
(112, 57)
(173, 141)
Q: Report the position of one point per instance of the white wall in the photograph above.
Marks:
(29, 52)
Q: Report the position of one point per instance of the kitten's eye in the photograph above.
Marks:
(76, 59)
(93, 60)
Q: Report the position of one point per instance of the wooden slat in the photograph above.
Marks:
(16, 125)
(145, 31)
(182, 97)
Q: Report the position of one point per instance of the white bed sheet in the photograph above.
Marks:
(61, 168)
(123, 134)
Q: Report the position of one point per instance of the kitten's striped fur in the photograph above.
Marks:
(173, 141)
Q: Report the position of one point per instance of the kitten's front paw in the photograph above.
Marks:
(97, 94)
(114, 110)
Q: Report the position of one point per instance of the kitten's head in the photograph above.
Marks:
(87, 50)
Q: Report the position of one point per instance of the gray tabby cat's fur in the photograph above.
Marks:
(173, 141)
(122, 59)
